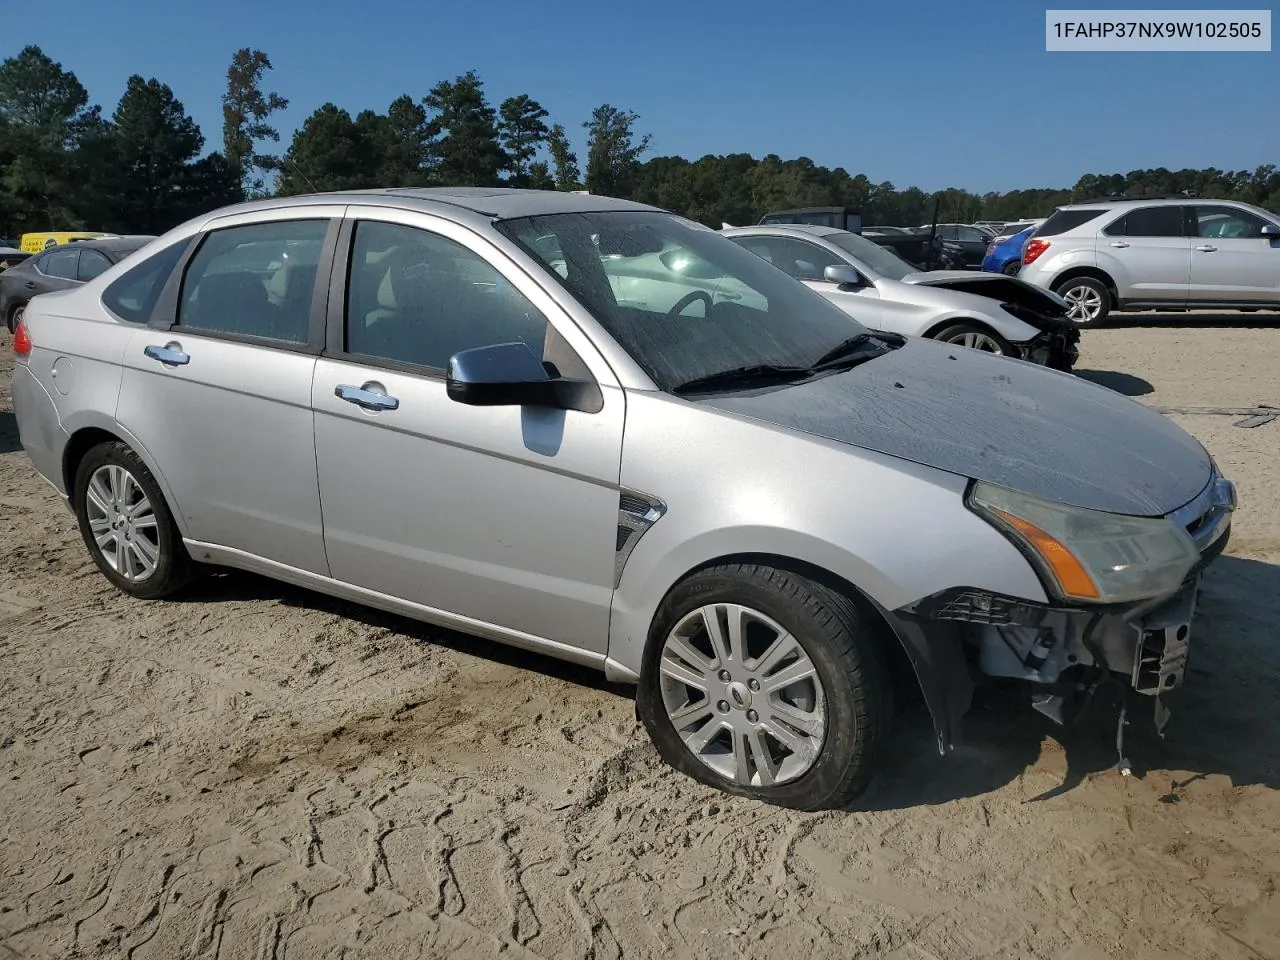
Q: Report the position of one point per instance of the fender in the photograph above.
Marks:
(90, 419)
(934, 648)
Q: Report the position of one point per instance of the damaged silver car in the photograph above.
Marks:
(988, 312)
(597, 430)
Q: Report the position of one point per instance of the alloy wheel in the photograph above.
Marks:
(743, 695)
(977, 340)
(1084, 303)
(123, 522)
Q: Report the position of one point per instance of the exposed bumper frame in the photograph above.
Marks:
(954, 635)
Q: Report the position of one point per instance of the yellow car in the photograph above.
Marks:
(35, 242)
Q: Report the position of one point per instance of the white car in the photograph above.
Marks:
(875, 286)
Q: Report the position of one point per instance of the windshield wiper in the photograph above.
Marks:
(755, 375)
(864, 346)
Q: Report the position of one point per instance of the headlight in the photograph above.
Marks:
(1086, 555)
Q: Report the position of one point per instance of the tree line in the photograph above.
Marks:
(65, 164)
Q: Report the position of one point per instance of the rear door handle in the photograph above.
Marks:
(1119, 243)
(365, 397)
(1207, 248)
(30, 285)
(170, 354)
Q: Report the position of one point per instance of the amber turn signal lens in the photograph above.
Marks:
(1072, 578)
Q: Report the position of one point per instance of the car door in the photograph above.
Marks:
(92, 263)
(499, 517)
(56, 270)
(974, 243)
(1152, 252)
(218, 387)
(1231, 260)
(806, 262)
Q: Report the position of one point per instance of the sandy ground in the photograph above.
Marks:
(258, 772)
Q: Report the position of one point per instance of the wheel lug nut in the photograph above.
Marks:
(723, 706)
(752, 716)
(754, 685)
(725, 676)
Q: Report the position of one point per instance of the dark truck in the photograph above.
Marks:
(921, 248)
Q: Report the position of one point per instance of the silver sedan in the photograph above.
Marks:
(993, 313)
(597, 430)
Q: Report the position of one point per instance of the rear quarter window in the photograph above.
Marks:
(1063, 220)
(133, 295)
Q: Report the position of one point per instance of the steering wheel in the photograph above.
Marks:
(683, 303)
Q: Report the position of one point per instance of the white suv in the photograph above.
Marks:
(1169, 254)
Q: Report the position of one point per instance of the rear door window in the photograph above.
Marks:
(60, 264)
(1164, 221)
(255, 281)
(92, 264)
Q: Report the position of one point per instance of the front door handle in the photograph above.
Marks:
(365, 397)
(1119, 243)
(30, 285)
(1207, 248)
(170, 354)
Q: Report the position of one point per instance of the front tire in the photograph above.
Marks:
(976, 337)
(766, 685)
(1089, 300)
(1012, 268)
(15, 317)
(126, 524)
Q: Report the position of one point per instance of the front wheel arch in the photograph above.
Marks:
(897, 656)
(1006, 344)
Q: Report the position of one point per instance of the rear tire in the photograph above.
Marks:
(809, 743)
(15, 317)
(976, 337)
(1089, 298)
(126, 524)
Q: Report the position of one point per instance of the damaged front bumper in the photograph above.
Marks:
(1056, 349)
(1065, 652)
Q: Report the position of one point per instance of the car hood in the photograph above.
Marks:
(942, 298)
(998, 286)
(1011, 423)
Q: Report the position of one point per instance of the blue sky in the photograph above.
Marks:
(932, 94)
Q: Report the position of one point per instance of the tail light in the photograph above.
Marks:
(1033, 250)
(991, 248)
(21, 341)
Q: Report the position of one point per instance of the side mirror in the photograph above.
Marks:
(511, 375)
(843, 275)
(1270, 231)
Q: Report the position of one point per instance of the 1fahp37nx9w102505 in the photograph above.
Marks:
(594, 429)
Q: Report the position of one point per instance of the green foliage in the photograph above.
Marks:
(245, 109)
(613, 152)
(332, 152)
(149, 157)
(564, 161)
(523, 129)
(64, 166)
(44, 117)
(469, 153)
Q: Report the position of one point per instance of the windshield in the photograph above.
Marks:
(877, 259)
(682, 300)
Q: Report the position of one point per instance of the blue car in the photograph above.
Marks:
(1004, 254)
